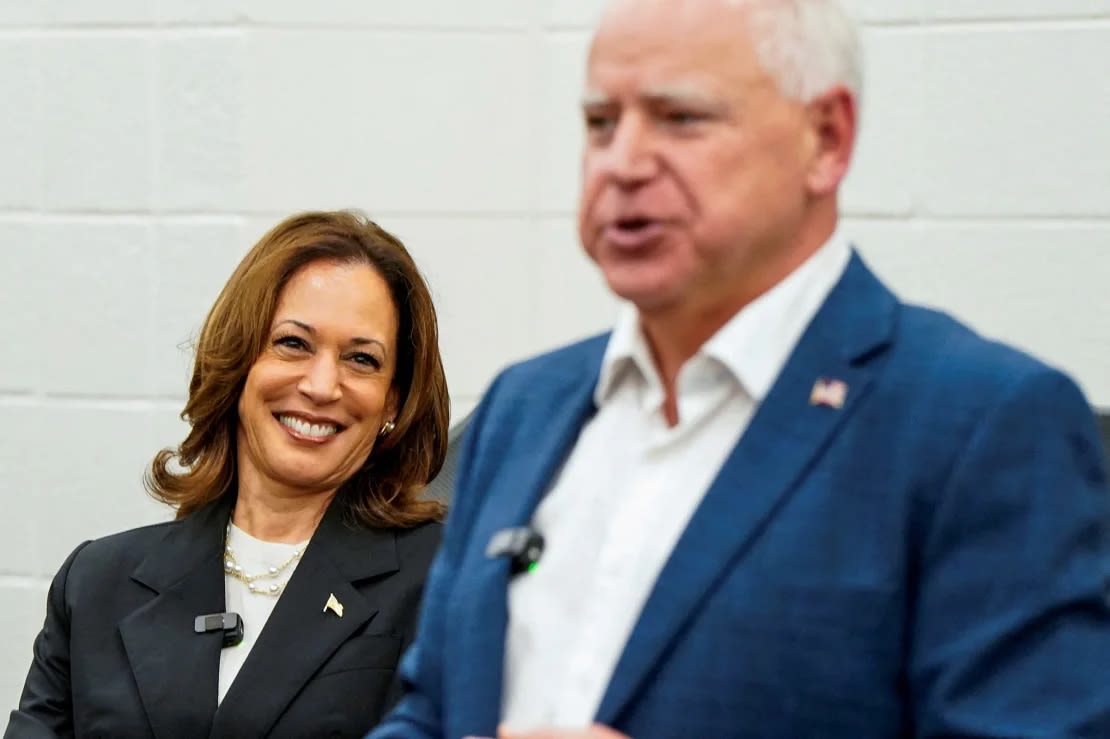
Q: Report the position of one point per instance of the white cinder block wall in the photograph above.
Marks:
(144, 144)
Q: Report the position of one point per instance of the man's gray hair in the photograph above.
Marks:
(808, 46)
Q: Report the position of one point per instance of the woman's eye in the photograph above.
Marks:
(367, 360)
(291, 342)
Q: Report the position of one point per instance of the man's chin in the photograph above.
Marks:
(650, 296)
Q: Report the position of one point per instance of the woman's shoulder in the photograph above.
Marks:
(116, 553)
(429, 531)
(420, 542)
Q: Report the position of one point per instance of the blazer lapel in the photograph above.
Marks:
(177, 670)
(514, 490)
(300, 635)
(780, 445)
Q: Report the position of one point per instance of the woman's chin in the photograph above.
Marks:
(310, 481)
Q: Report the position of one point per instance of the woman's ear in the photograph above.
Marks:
(391, 409)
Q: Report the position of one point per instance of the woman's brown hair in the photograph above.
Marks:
(385, 492)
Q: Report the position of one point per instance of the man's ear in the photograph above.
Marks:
(832, 121)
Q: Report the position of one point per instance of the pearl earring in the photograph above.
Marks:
(387, 427)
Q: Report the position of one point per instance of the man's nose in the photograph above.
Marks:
(630, 158)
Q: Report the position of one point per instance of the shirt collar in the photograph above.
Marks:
(627, 352)
(754, 344)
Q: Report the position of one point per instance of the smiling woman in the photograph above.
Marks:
(318, 411)
(320, 292)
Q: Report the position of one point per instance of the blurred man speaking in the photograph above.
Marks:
(775, 501)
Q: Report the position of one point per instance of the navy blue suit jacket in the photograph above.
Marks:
(929, 560)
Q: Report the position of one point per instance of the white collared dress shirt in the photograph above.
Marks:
(626, 492)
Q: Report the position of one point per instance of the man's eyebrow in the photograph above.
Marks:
(680, 92)
(594, 99)
(676, 93)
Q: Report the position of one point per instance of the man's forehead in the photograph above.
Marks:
(666, 62)
(644, 16)
(672, 38)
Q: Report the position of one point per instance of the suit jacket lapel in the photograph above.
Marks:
(300, 635)
(177, 670)
(515, 488)
(780, 445)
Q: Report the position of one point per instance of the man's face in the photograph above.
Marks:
(695, 165)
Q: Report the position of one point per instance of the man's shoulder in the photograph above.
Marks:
(934, 347)
(574, 361)
(522, 398)
(937, 346)
(950, 379)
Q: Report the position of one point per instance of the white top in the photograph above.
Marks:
(254, 556)
(627, 490)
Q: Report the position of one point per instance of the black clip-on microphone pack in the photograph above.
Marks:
(522, 545)
(229, 623)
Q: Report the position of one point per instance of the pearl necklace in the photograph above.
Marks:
(234, 569)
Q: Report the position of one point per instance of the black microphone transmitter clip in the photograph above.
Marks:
(229, 623)
(522, 545)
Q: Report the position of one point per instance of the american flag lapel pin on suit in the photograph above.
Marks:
(829, 392)
(334, 605)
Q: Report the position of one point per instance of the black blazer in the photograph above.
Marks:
(118, 656)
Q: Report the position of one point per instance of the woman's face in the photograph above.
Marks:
(318, 394)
